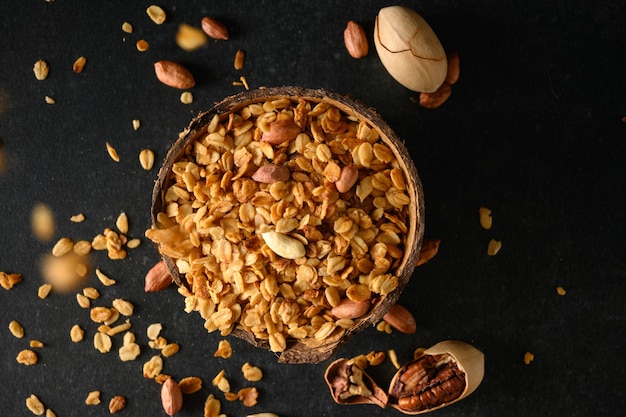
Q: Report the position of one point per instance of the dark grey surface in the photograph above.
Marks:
(533, 130)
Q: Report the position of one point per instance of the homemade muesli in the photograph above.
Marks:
(280, 211)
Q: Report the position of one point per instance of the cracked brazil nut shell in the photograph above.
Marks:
(442, 375)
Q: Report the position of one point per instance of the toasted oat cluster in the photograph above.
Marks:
(278, 213)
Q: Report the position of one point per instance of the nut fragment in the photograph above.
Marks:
(171, 397)
(174, 75)
(16, 329)
(239, 59)
(117, 403)
(214, 28)
(432, 100)
(127, 27)
(485, 218)
(122, 223)
(355, 40)
(156, 14)
(112, 152)
(41, 70)
(146, 159)
(44, 290)
(224, 350)
(528, 358)
(76, 333)
(104, 279)
(494, 247)
(142, 45)
(186, 97)
(79, 64)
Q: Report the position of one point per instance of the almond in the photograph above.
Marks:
(400, 319)
(355, 40)
(348, 309)
(158, 278)
(281, 131)
(271, 173)
(171, 397)
(214, 28)
(348, 177)
(437, 98)
(174, 75)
